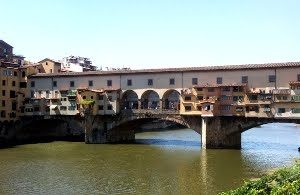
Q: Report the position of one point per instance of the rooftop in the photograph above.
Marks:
(6, 44)
(174, 70)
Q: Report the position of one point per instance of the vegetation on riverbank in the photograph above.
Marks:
(282, 181)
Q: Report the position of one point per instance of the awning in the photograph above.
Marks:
(53, 107)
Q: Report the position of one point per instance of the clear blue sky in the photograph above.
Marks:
(154, 33)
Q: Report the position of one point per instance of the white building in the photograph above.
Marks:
(76, 64)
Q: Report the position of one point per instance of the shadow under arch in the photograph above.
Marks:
(171, 99)
(150, 100)
(129, 100)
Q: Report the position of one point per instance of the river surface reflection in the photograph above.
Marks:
(169, 162)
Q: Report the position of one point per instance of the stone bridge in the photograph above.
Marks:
(216, 132)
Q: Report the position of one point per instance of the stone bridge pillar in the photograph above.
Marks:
(218, 132)
(139, 104)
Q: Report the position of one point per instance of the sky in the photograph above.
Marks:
(154, 33)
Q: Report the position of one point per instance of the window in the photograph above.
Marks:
(84, 97)
(3, 114)
(199, 108)
(23, 73)
(51, 71)
(109, 83)
(296, 110)
(281, 110)
(13, 83)
(15, 73)
(109, 107)
(298, 77)
(187, 98)
(100, 97)
(64, 108)
(296, 97)
(272, 78)
(224, 97)
(129, 82)
(36, 109)
(194, 81)
(12, 94)
(3, 82)
(199, 97)
(238, 98)
(32, 84)
(150, 82)
(239, 109)
(267, 108)
(226, 107)
(252, 109)
(92, 97)
(91, 84)
(226, 89)
(3, 103)
(211, 89)
(238, 89)
(100, 107)
(188, 108)
(172, 81)
(3, 92)
(23, 84)
(244, 79)
(54, 83)
(219, 80)
(253, 97)
(200, 89)
(72, 84)
(71, 108)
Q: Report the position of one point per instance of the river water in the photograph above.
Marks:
(168, 162)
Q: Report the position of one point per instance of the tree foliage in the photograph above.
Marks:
(284, 181)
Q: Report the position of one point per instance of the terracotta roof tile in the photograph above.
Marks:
(174, 70)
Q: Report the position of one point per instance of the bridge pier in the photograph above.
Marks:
(220, 132)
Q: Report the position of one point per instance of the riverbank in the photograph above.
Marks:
(282, 181)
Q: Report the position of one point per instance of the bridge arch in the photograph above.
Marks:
(171, 99)
(150, 100)
(129, 100)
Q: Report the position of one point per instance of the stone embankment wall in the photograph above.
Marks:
(34, 130)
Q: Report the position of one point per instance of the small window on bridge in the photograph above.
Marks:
(188, 108)
(100, 97)
(129, 82)
(272, 78)
(211, 89)
(244, 79)
(194, 81)
(281, 110)
(150, 82)
(109, 83)
(219, 80)
(172, 81)
(200, 97)
(91, 83)
(187, 98)
(226, 89)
